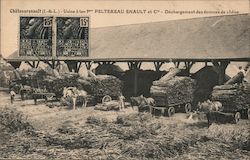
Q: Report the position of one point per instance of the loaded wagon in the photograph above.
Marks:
(103, 88)
(173, 95)
(42, 94)
(164, 105)
(234, 98)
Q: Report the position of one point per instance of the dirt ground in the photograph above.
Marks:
(224, 140)
(44, 118)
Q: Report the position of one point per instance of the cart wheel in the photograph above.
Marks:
(106, 98)
(153, 103)
(145, 108)
(237, 117)
(248, 113)
(171, 111)
(188, 108)
(49, 97)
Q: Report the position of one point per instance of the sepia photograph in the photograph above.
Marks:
(125, 80)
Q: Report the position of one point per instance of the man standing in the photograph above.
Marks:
(12, 96)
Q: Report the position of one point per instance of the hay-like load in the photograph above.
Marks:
(106, 85)
(56, 84)
(99, 87)
(233, 97)
(174, 91)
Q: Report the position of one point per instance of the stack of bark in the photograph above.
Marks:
(99, 87)
(106, 85)
(233, 97)
(172, 89)
(56, 84)
(108, 106)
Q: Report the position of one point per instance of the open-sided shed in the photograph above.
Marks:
(219, 40)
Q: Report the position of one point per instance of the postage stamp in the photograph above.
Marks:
(72, 36)
(35, 36)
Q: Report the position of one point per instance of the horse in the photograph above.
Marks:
(209, 106)
(73, 93)
(141, 102)
(212, 110)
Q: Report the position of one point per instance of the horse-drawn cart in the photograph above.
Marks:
(43, 95)
(165, 107)
(172, 95)
(39, 93)
(234, 98)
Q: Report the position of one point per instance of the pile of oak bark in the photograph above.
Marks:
(106, 85)
(233, 97)
(234, 94)
(171, 89)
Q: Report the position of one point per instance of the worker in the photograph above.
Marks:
(22, 91)
(244, 71)
(12, 96)
(171, 65)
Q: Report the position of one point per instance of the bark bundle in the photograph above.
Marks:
(232, 96)
(177, 90)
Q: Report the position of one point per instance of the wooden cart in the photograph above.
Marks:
(163, 106)
(45, 96)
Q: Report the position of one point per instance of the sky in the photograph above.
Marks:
(10, 21)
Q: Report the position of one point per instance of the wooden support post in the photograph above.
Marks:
(177, 64)
(88, 65)
(72, 65)
(129, 65)
(109, 62)
(188, 66)
(139, 65)
(158, 65)
(220, 68)
(37, 64)
(222, 73)
(78, 66)
(135, 66)
(50, 64)
(33, 64)
(57, 63)
(53, 64)
(30, 64)
(135, 82)
(15, 64)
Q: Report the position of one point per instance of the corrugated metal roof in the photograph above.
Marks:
(222, 37)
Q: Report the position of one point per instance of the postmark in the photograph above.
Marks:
(35, 36)
(72, 36)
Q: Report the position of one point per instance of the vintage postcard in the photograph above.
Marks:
(125, 80)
